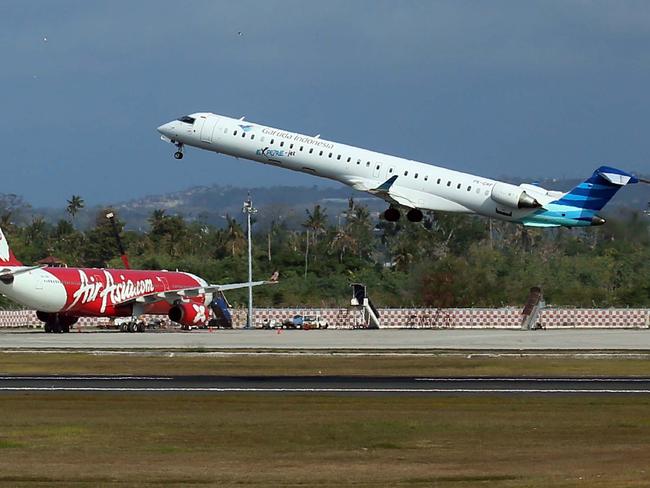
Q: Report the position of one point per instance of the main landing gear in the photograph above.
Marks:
(392, 215)
(133, 326)
(179, 154)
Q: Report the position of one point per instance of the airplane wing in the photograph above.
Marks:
(386, 192)
(171, 296)
(7, 275)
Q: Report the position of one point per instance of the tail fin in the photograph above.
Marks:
(594, 193)
(7, 257)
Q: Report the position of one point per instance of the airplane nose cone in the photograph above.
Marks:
(163, 129)
(596, 220)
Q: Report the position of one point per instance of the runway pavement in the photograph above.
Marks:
(345, 385)
(324, 340)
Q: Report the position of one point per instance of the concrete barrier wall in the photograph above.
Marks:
(459, 318)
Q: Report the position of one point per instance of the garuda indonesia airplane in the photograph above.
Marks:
(407, 186)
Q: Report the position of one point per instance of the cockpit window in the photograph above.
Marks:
(187, 119)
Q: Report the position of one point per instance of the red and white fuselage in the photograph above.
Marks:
(61, 295)
(97, 292)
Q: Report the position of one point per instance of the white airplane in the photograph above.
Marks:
(406, 185)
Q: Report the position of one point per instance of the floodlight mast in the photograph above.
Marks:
(249, 210)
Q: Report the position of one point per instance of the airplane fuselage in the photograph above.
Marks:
(82, 292)
(409, 184)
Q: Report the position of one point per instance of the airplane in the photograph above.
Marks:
(406, 185)
(61, 295)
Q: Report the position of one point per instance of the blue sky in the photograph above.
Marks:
(494, 88)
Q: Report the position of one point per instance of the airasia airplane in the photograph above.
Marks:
(406, 185)
(62, 295)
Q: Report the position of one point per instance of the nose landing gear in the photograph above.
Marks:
(179, 154)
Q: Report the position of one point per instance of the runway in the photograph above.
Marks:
(337, 385)
(335, 340)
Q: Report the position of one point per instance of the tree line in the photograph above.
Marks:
(446, 261)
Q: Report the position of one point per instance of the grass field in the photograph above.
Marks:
(258, 364)
(323, 441)
(73, 439)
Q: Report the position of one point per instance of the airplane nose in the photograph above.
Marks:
(164, 129)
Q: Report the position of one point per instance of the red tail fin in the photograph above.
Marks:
(7, 257)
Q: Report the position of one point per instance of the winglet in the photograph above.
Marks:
(385, 186)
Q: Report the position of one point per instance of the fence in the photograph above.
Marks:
(423, 318)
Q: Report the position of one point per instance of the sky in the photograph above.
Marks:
(499, 88)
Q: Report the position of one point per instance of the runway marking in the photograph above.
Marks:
(321, 390)
(541, 380)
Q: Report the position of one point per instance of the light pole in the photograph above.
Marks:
(249, 210)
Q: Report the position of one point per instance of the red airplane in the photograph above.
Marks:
(62, 295)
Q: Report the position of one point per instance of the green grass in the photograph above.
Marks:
(323, 441)
(335, 364)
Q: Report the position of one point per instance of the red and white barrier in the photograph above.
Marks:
(422, 318)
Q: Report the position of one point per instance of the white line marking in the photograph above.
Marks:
(541, 380)
(318, 390)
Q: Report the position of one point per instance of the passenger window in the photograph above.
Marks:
(469, 188)
(243, 134)
(281, 143)
(390, 170)
(338, 157)
(426, 178)
(320, 153)
(416, 176)
(301, 148)
(272, 140)
(438, 182)
(290, 146)
(406, 173)
(234, 133)
(358, 161)
(449, 183)
(378, 166)
(367, 164)
(330, 155)
(349, 159)
(458, 186)
(252, 136)
(311, 150)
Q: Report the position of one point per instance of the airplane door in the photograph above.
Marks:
(376, 169)
(208, 127)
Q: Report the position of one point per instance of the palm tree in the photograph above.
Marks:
(235, 239)
(316, 221)
(75, 204)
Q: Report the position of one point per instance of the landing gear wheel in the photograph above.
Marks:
(124, 327)
(178, 155)
(414, 215)
(391, 214)
(133, 327)
(141, 327)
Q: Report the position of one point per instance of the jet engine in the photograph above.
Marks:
(513, 196)
(189, 314)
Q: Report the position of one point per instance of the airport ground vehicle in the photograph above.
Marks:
(305, 322)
